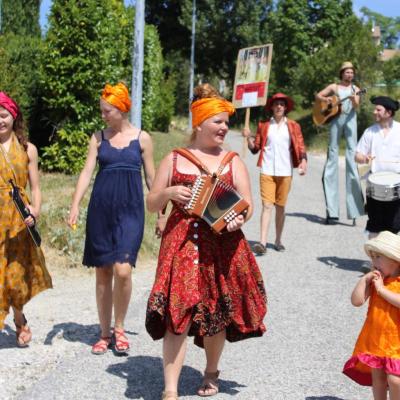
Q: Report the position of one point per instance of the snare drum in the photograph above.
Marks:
(384, 186)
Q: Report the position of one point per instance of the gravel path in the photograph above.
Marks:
(311, 324)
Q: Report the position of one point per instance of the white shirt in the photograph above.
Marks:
(385, 150)
(277, 160)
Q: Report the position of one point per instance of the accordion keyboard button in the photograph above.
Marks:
(196, 247)
(196, 236)
(195, 224)
(196, 261)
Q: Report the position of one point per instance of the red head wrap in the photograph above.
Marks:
(208, 107)
(9, 104)
(117, 96)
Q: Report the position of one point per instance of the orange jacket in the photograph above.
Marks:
(297, 149)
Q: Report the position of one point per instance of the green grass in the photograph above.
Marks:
(57, 190)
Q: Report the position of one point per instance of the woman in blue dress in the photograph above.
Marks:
(115, 219)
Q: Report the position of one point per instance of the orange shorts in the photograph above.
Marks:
(275, 189)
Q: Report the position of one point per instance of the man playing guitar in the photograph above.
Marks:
(344, 123)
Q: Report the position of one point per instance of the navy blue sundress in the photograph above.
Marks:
(115, 218)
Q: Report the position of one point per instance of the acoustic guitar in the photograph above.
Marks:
(324, 112)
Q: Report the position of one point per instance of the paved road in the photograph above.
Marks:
(311, 325)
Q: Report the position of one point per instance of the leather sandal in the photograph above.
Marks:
(23, 333)
(121, 341)
(169, 395)
(101, 346)
(209, 386)
(260, 249)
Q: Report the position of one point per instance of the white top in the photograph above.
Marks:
(277, 160)
(385, 150)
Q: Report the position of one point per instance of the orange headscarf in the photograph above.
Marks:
(208, 107)
(117, 96)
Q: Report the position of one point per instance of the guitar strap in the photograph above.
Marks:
(192, 158)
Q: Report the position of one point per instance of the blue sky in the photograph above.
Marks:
(390, 8)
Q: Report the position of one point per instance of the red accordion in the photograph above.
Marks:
(213, 200)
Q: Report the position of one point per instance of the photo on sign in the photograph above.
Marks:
(252, 76)
(253, 65)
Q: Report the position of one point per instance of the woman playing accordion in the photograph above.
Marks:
(207, 285)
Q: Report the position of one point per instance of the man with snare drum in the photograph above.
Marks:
(380, 146)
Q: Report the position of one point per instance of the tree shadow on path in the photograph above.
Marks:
(323, 398)
(7, 338)
(144, 378)
(349, 264)
(316, 219)
(253, 242)
(74, 332)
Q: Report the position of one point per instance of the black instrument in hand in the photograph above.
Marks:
(25, 213)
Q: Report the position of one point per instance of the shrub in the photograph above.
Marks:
(68, 153)
(158, 93)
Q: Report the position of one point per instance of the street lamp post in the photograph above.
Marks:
(191, 82)
(1, 17)
(137, 71)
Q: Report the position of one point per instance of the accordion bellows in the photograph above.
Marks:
(213, 200)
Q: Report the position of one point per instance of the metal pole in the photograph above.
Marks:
(191, 82)
(1, 17)
(137, 71)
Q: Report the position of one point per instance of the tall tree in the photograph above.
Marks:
(300, 28)
(86, 46)
(20, 49)
(166, 15)
(21, 17)
(390, 27)
(391, 72)
(19, 67)
(222, 28)
(322, 67)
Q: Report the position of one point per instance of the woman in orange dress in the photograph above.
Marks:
(376, 357)
(207, 285)
(23, 273)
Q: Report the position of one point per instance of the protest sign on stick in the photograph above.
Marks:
(252, 80)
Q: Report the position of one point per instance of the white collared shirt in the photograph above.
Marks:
(385, 150)
(277, 160)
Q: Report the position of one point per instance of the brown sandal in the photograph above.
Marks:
(209, 387)
(23, 332)
(169, 395)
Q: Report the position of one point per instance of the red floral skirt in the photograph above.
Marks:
(208, 281)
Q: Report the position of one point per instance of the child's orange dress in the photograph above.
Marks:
(378, 345)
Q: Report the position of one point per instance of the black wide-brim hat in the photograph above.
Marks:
(385, 101)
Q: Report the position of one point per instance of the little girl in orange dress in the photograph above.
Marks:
(376, 356)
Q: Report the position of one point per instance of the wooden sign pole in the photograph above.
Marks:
(246, 126)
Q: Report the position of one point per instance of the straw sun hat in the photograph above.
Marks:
(346, 65)
(386, 243)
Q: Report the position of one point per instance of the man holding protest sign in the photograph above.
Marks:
(280, 143)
